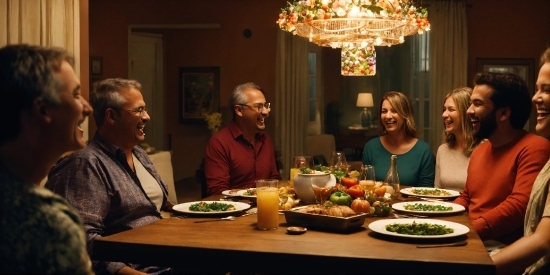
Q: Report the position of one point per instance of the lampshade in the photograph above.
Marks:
(364, 100)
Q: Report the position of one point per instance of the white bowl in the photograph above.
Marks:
(302, 185)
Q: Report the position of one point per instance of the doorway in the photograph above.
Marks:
(146, 66)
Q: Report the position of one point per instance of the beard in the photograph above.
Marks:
(487, 126)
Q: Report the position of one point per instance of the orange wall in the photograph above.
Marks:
(507, 29)
(497, 29)
(240, 59)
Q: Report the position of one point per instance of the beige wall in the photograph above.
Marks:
(497, 29)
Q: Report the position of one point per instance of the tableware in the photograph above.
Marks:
(303, 183)
(230, 193)
(297, 163)
(321, 192)
(267, 197)
(296, 230)
(462, 243)
(410, 216)
(228, 218)
(184, 208)
(338, 162)
(456, 208)
(409, 192)
(323, 222)
(380, 227)
(367, 179)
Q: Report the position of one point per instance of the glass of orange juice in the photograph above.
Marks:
(267, 200)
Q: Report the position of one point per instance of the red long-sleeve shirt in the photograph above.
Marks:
(499, 184)
(231, 162)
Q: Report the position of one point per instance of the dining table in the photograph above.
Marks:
(238, 246)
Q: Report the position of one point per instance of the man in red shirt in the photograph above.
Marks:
(502, 169)
(241, 153)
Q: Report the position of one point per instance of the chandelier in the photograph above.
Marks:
(355, 26)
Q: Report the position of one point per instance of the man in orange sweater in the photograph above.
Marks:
(503, 168)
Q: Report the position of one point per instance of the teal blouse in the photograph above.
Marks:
(415, 168)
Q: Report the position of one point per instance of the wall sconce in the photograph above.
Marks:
(365, 100)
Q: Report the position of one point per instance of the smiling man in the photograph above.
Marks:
(41, 110)
(503, 168)
(242, 152)
(112, 183)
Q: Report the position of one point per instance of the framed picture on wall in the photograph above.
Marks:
(524, 67)
(96, 65)
(199, 93)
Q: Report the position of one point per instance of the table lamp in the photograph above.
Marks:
(365, 100)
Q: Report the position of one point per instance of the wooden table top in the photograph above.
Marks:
(239, 247)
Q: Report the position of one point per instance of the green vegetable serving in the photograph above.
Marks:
(211, 207)
(427, 207)
(431, 192)
(306, 170)
(250, 192)
(419, 229)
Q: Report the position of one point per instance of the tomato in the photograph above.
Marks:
(355, 191)
(360, 206)
(349, 182)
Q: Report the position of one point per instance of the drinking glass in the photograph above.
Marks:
(367, 178)
(297, 163)
(321, 193)
(267, 200)
(338, 162)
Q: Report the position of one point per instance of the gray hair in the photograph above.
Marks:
(106, 94)
(239, 96)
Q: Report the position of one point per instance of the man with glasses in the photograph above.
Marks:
(242, 152)
(112, 182)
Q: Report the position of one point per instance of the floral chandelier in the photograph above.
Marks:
(356, 26)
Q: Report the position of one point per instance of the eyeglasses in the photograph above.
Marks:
(259, 107)
(137, 111)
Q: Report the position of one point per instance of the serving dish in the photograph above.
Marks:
(456, 208)
(323, 222)
(380, 227)
(410, 192)
(184, 207)
(303, 182)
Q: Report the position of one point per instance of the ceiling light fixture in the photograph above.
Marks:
(356, 26)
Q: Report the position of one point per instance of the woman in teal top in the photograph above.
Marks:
(415, 160)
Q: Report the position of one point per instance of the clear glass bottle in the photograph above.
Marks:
(392, 178)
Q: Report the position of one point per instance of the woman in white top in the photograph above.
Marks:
(453, 155)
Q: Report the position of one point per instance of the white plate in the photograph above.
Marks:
(184, 207)
(238, 193)
(409, 192)
(380, 227)
(457, 208)
(230, 193)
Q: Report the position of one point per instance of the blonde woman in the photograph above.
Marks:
(415, 161)
(453, 155)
